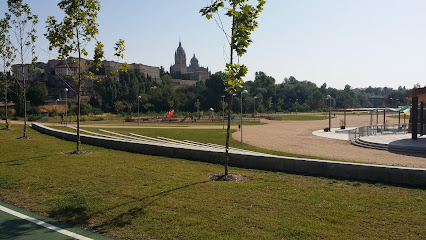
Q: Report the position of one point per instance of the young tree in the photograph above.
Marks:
(243, 24)
(119, 53)
(7, 55)
(78, 27)
(23, 26)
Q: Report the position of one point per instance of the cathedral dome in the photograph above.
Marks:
(194, 61)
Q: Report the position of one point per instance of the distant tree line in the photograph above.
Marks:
(289, 96)
(159, 96)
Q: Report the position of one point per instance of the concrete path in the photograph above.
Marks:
(16, 223)
(296, 137)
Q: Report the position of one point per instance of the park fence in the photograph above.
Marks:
(377, 130)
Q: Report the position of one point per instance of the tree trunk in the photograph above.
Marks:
(5, 93)
(5, 100)
(78, 93)
(23, 92)
(230, 102)
(228, 128)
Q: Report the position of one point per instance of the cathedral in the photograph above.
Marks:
(191, 72)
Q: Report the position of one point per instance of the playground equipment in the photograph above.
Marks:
(191, 116)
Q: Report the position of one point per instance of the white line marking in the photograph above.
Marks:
(43, 224)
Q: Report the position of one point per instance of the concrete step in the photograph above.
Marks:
(372, 143)
(368, 145)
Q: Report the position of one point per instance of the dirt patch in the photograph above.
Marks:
(26, 137)
(75, 152)
(228, 178)
(296, 137)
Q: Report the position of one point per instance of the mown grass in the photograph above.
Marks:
(133, 196)
(108, 119)
(167, 124)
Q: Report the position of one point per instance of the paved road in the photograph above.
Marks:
(19, 224)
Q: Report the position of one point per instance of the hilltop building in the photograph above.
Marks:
(31, 71)
(57, 74)
(148, 71)
(181, 72)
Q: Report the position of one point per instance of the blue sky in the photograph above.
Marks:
(357, 42)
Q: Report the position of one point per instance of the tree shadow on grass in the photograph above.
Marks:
(73, 208)
(21, 161)
(126, 218)
(11, 229)
(71, 214)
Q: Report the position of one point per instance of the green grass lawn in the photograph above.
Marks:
(114, 119)
(133, 196)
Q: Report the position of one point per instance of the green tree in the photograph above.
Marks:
(23, 26)
(37, 93)
(121, 106)
(7, 55)
(119, 53)
(78, 27)
(280, 103)
(244, 22)
(269, 104)
(148, 106)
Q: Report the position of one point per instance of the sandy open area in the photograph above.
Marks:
(297, 137)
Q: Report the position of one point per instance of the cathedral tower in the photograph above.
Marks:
(180, 60)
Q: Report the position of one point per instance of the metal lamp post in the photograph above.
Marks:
(139, 100)
(66, 107)
(198, 109)
(57, 100)
(223, 112)
(244, 91)
(296, 105)
(329, 112)
(254, 107)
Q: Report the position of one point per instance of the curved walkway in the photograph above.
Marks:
(296, 137)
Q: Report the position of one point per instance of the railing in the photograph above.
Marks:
(377, 130)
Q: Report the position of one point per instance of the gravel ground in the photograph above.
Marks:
(296, 137)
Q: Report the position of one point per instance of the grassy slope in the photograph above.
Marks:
(216, 136)
(134, 196)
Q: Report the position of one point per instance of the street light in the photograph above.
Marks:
(57, 100)
(66, 107)
(296, 105)
(139, 100)
(254, 107)
(329, 113)
(223, 112)
(244, 91)
(198, 109)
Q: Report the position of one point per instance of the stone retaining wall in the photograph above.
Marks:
(332, 169)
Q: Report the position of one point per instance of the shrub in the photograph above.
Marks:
(33, 118)
(326, 129)
(33, 111)
(97, 111)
